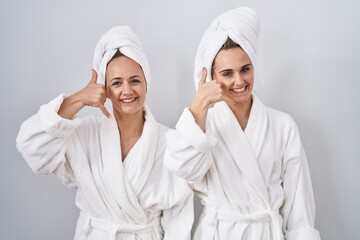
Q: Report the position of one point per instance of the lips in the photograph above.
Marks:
(128, 100)
(239, 90)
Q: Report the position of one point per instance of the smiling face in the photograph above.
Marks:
(125, 86)
(234, 71)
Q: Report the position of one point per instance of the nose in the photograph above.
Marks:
(127, 89)
(238, 79)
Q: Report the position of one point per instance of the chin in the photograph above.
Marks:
(241, 100)
(130, 110)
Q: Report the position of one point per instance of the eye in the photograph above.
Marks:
(135, 81)
(246, 69)
(227, 73)
(116, 83)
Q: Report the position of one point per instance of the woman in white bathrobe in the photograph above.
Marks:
(115, 162)
(244, 160)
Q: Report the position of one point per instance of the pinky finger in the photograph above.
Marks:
(104, 111)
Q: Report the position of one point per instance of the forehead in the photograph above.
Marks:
(233, 57)
(123, 66)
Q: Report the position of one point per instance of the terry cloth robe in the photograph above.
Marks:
(138, 199)
(254, 184)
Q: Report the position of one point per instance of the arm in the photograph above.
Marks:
(177, 221)
(298, 209)
(42, 141)
(188, 153)
(208, 93)
(93, 95)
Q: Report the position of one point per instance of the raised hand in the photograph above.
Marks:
(207, 93)
(93, 95)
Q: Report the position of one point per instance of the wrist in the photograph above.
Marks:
(199, 105)
(77, 99)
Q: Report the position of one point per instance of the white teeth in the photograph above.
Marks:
(239, 89)
(128, 100)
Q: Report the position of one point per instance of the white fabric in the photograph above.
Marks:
(124, 39)
(254, 184)
(135, 199)
(242, 26)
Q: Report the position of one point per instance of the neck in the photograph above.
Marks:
(242, 112)
(130, 125)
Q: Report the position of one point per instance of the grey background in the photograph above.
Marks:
(310, 56)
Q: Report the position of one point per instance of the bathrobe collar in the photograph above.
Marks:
(122, 188)
(244, 147)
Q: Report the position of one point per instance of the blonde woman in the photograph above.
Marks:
(115, 162)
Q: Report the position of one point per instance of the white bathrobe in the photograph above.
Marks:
(254, 184)
(135, 199)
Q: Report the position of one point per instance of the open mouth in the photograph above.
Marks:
(128, 100)
(239, 90)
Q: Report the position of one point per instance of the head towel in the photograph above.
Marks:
(242, 26)
(120, 38)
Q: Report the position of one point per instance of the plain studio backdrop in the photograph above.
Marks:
(310, 59)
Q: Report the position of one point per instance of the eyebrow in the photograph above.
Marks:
(226, 70)
(249, 64)
(115, 78)
(246, 65)
(120, 78)
(134, 76)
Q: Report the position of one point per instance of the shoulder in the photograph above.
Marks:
(282, 124)
(89, 125)
(90, 121)
(161, 141)
(286, 128)
(280, 118)
(162, 129)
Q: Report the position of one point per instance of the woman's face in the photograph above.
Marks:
(125, 85)
(234, 71)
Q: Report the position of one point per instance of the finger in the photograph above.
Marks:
(203, 76)
(93, 76)
(104, 110)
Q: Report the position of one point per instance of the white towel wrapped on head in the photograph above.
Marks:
(241, 25)
(120, 38)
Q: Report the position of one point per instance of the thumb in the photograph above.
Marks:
(94, 76)
(203, 76)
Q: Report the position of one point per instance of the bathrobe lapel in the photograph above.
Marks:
(242, 150)
(140, 160)
(116, 182)
(257, 125)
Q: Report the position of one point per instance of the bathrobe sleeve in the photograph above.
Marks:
(42, 141)
(298, 210)
(188, 154)
(177, 221)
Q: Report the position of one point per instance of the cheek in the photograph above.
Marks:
(143, 93)
(224, 84)
(112, 92)
(251, 81)
(219, 79)
(141, 90)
